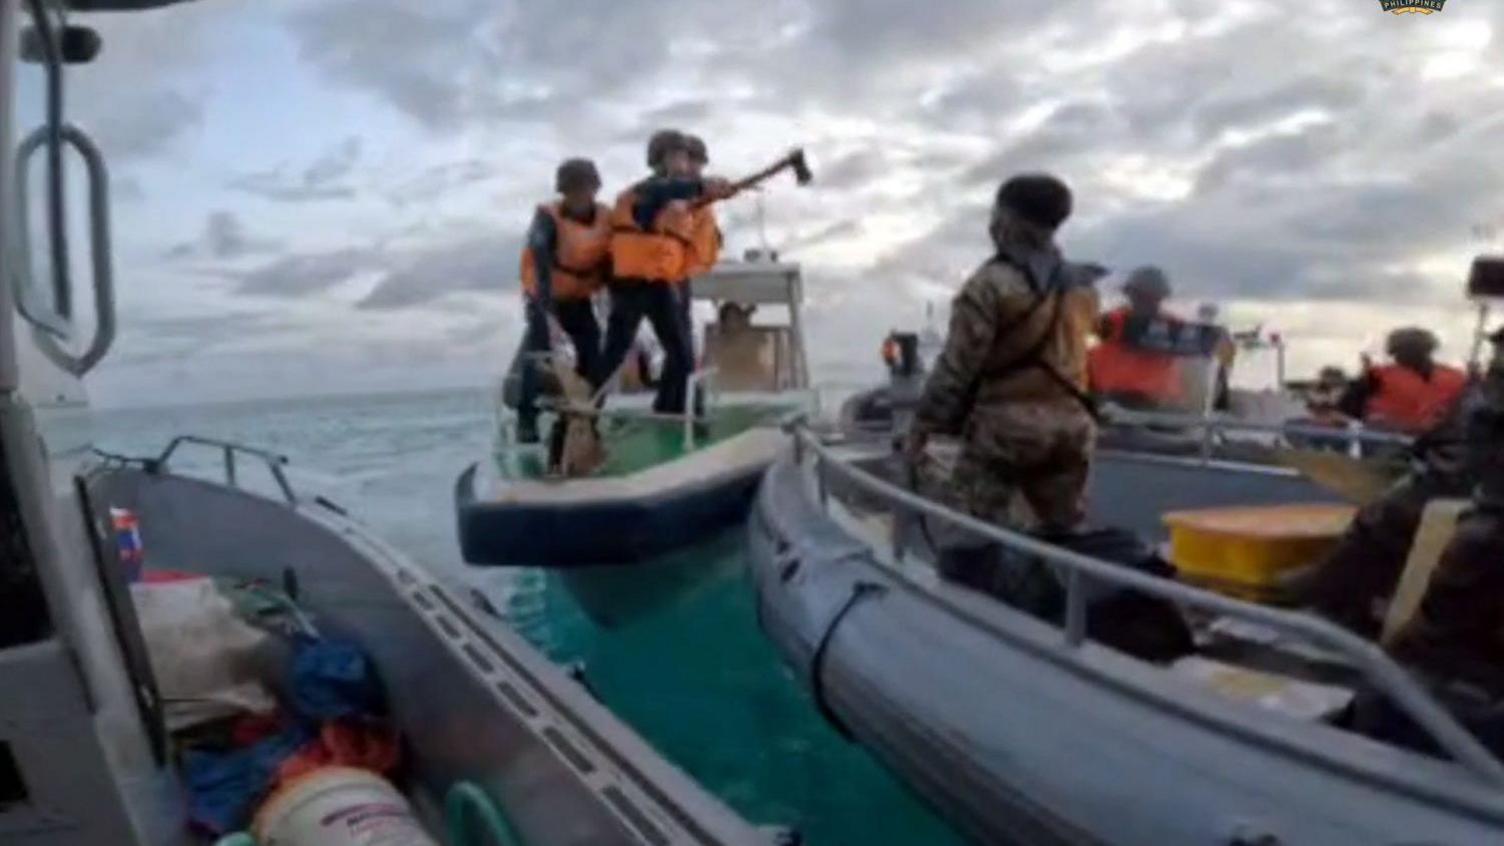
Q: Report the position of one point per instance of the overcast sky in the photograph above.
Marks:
(329, 194)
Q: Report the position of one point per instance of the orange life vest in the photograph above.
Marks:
(704, 241)
(579, 265)
(662, 253)
(1404, 400)
(1117, 368)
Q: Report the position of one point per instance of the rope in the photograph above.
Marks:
(859, 592)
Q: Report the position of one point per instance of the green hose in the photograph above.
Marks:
(239, 838)
(464, 806)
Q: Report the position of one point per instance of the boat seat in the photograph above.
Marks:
(1437, 525)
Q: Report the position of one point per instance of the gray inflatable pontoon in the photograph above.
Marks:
(1019, 731)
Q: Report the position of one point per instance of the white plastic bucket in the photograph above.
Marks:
(338, 806)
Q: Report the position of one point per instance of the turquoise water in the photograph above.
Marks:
(673, 649)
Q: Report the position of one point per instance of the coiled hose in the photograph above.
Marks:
(470, 813)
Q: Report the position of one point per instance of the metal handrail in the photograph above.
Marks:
(1386, 676)
(274, 462)
(1218, 423)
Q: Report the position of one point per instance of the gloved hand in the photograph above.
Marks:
(718, 188)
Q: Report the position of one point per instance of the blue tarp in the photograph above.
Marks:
(327, 679)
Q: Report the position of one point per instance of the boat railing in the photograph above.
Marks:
(1377, 668)
(229, 450)
(1354, 436)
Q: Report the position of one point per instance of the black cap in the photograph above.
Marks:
(574, 174)
(1039, 198)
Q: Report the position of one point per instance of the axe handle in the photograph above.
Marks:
(749, 181)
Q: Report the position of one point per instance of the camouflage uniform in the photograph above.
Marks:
(1351, 584)
(1455, 643)
(1456, 633)
(1017, 336)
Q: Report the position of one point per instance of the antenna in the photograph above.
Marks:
(762, 225)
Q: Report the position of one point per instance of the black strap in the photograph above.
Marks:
(859, 592)
(1034, 355)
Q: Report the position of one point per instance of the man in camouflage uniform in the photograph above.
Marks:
(1011, 379)
(1457, 633)
(1454, 643)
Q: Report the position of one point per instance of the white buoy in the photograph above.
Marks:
(339, 806)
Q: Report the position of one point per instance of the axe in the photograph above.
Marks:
(794, 161)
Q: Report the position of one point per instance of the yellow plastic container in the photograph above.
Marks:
(1244, 550)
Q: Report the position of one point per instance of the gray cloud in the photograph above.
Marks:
(853, 169)
(824, 234)
(307, 273)
(145, 125)
(682, 113)
(418, 56)
(1286, 160)
(1254, 158)
(149, 340)
(322, 179)
(335, 164)
(478, 263)
(450, 63)
(141, 97)
(127, 189)
(1070, 130)
(1286, 205)
(224, 237)
(436, 181)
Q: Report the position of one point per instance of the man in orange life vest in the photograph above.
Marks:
(1132, 364)
(1412, 394)
(652, 228)
(563, 264)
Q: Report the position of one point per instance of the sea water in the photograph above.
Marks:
(672, 649)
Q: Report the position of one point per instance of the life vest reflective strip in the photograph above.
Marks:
(704, 241)
(662, 253)
(580, 254)
(1403, 399)
(1115, 367)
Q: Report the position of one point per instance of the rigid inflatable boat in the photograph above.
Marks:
(1025, 730)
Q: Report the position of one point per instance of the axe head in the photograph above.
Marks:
(802, 174)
